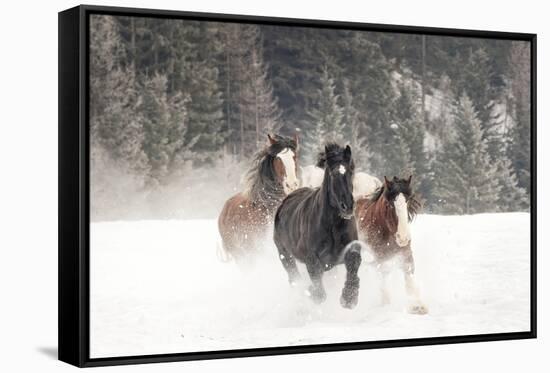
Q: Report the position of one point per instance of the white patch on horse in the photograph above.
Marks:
(312, 176)
(342, 169)
(290, 182)
(364, 185)
(403, 234)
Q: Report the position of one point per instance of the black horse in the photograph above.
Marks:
(317, 227)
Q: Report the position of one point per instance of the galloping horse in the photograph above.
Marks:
(383, 222)
(317, 227)
(245, 218)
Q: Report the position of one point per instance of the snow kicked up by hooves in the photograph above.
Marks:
(159, 287)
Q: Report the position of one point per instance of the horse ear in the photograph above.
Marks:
(270, 139)
(347, 153)
(386, 182)
(296, 139)
(409, 179)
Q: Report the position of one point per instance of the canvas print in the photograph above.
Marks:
(265, 185)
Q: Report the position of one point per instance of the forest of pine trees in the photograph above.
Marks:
(180, 103)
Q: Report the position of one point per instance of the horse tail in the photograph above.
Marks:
(223, 255)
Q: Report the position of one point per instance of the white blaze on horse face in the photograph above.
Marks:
(290, 182)
(403, 234)
(342, 169)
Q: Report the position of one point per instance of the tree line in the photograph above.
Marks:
(172, 96)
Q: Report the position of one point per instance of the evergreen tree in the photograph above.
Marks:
(511, 197)
(371, 84)
(409, 125)
(166, 141)
(251, 108)
(114, 99)
(352, 125)
(206, 134)
(519, 136)
(476, 81)
(465, 180)
(327, 116)
(397, 159)
(258, 105)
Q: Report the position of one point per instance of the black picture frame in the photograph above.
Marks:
(74, 187)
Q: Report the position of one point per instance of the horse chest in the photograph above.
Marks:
(331, 242)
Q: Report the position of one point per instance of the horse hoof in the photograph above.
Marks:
(317, 295)
(350, 293)
(348, 302)
(417, 309)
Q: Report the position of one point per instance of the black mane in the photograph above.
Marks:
(413, 204)
(333, 153)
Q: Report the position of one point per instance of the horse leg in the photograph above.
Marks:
(416, 306)
(386, 299)
(352, 261)
(315, 270)
(289, 264)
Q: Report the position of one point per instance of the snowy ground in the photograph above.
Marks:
(158, 287)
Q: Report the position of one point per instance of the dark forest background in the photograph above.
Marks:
(178, 108)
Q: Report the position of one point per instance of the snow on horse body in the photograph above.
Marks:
(365, 185)
(312, 176)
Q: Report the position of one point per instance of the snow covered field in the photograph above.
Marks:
(158, 287)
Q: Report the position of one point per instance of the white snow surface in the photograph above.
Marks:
(158, 287)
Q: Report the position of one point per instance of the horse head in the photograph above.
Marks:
(284, 151)
(339, 167)
(398, 194)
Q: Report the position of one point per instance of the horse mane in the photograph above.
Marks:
(413, 204)
(332, 149)
(413, 207)
(376, 194)
(261, 185)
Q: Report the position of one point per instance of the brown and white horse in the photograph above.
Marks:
(246, 217)
(383, 222)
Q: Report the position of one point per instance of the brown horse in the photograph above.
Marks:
(383, 222)
(246, 217)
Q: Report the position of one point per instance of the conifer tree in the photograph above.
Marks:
(258, 105)
(465, 180)
(166, 139)
(371, 84)
(409, 125)
(519, 135)
(511, 197)
(115, 125)
(352, 125)
(476, 81)
(327, 116)
(205, 130)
